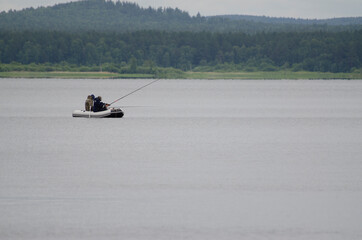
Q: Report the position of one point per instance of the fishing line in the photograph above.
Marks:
(133, 91)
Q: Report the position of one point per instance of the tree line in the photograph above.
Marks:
(110, 16)
(311, 51)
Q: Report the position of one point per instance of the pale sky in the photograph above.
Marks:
(274, 8)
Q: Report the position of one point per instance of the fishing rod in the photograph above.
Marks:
(134, 91)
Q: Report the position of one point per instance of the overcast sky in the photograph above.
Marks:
(274, 8)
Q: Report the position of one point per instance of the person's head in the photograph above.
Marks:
(100, 98)
(89, 97)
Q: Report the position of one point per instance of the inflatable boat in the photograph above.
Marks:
(109, 113)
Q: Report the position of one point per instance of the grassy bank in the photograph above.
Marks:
(185, 75)
(71, 75)
(272, 75)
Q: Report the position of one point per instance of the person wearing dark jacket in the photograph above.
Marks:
(99, 105)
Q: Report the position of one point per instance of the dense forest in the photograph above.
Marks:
(279, 20)
(315, 51)
(101, 15)
(112, 35)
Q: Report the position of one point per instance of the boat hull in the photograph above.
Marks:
(109, 113)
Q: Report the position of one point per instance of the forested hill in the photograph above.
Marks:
(106, 16)
(343, 21)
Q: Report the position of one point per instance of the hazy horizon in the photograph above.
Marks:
(308, 9)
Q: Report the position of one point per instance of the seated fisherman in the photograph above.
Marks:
(99, 105)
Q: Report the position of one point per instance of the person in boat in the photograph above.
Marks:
(99, 105)
(89, 103)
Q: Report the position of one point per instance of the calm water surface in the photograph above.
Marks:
(191, 159)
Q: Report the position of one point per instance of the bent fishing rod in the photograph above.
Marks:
(134, 91)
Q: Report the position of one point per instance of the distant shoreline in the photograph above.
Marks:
(185, 75)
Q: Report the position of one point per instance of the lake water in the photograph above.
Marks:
(191, 159)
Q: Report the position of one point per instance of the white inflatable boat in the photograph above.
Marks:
(109, 113)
